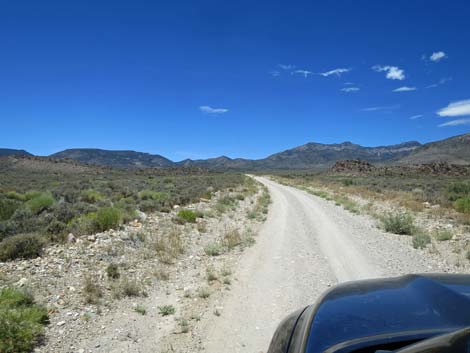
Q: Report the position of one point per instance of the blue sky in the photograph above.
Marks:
(198, 79)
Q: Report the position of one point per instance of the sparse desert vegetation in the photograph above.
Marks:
(432, 210)
(105, 244)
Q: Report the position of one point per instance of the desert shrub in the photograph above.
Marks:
(152, 195)
(107, 218)
(84, 224)
(92, 292)
(204, 293)
(40, 202)
(232, 238)
(187, 216)
(128, 288)
(7, 208)
(169, 246)
(21, 321)
(420, 240)
(463, 204)
(399, 223)
(15, 196)
(24, 246)
(91, 196)
(458, 190)
(443, 235)
(225, 203)
(56, 227)
(140, 309)
(113, 271)
(213, 249)
(166, 310)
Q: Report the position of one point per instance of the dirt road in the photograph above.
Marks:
(306, 245)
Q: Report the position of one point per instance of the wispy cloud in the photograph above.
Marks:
(441, 82)
(457, 122)
(405, 89)
(350, 89)
(274, 73)
(304, 73)
(459, 108)
(374, 109)
(286, 67)
(338, 72)
(392, 72)
(209, 110)
(414, 117)
(437, 56)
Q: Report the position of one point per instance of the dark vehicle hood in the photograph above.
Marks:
(409, 305)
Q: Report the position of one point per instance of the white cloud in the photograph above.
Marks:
(457, 122)
(405, 89)
(392, 72)
(350, 89)
(336, 72)
(441, 82)
(414, 117)
(305, 73)
(374, 109)
(286, 67)
(209, 110)
(348, 83)
(459, 108)
(437, 56)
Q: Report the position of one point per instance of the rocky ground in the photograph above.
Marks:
(143, 287)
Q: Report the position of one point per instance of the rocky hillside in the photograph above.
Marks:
(117, 159)
(454, 150)
(12, 152)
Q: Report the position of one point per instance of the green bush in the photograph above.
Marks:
(213, 249)
(91, 196)
(15, 196)
(40, 202)
(152, 195)
(113, 271)
(399, 223)
(166, 310)
(107, 218)
(21, 246)
(458, 190)
(187, 216)
(443, 235)
(21, 321)
(463, 204)
(420, 240)
(84, 224)
(7, 208)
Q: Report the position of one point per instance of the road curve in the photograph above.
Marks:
(306, 245)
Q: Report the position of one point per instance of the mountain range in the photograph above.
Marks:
(454, 150)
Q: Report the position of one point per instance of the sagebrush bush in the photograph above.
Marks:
(187, 216)
(213, 249)
(91, 196)
(462, 204)
(152, 195)
(107, 218)
(113, 271)
(40, 202)
(84, 224)
(24, 246)
(21, 321)
(420, 240)
(399, 223)
(7, 208)
(92, 292)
